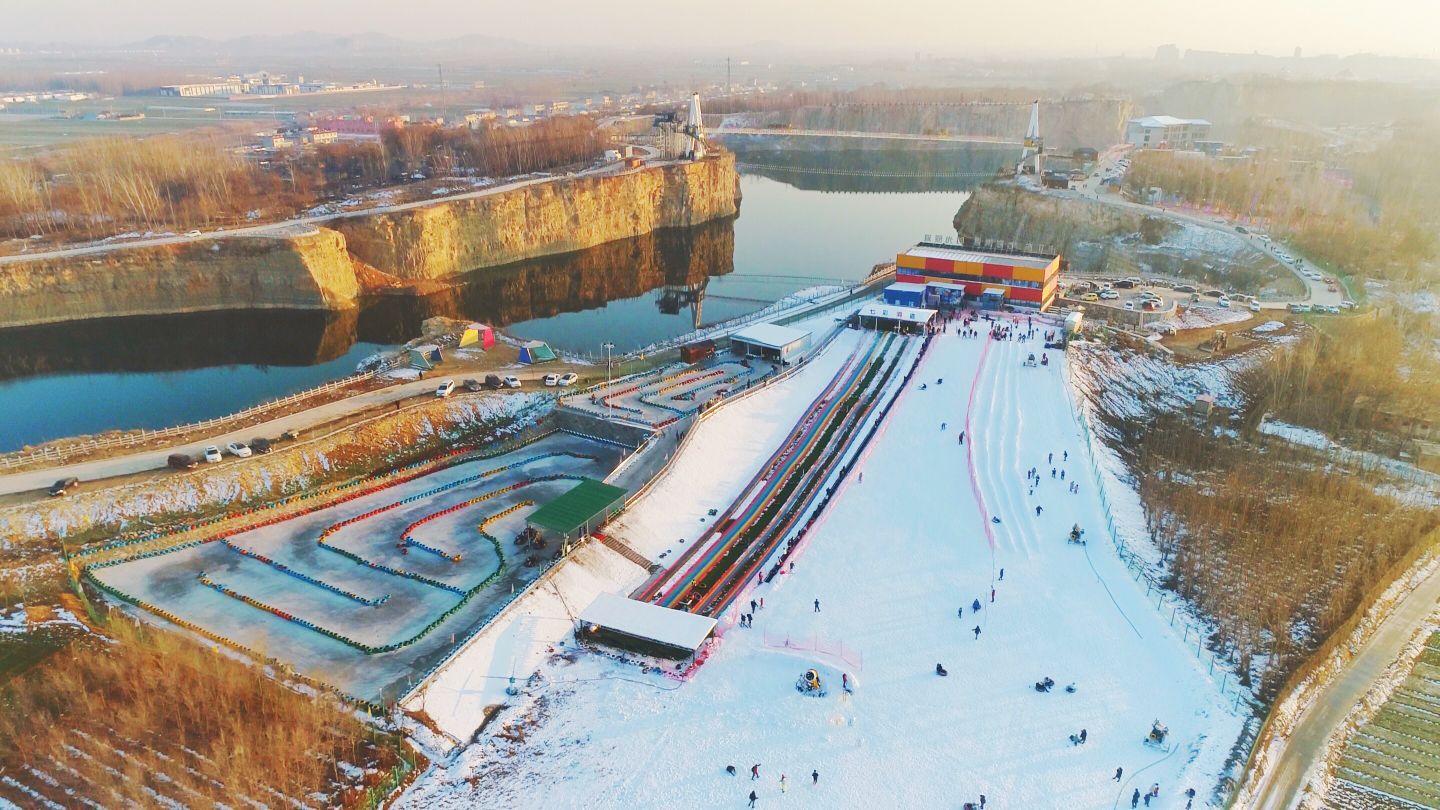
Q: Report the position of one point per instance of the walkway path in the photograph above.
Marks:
(1282, 787)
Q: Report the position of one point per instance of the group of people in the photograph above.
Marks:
(784, 780)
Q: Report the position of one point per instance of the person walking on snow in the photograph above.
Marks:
(1118, 773)
(783, 787)
(1083, 735)
(942, 425)
(730, 769)
(977, 632)
(753, 797)
(992, 596)
(815, 777)
(962, 437)
(753, 605)
(1002, 574)
(1038, 510)
(817, 605)
(1050, 458)
(1134, 798)
(754, 771)
(975, 606)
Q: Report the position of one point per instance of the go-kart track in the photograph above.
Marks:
(366, 592)
(884, 587)
(663, 396)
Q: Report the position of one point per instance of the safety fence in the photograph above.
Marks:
(1179, 616)
(837, 650)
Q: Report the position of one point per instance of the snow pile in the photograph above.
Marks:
(1201, 317)
(1297, 435)
(1269, 326)
(874, 594)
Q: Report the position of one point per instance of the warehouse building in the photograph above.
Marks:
(1166, 132)
(770, 341)
(1019, 278)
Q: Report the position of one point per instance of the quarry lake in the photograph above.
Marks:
(807, 218)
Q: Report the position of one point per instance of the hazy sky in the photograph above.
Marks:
(942, 27)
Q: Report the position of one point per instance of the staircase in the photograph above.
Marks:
(625, 551)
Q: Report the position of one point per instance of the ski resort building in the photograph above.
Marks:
(891, 318)
(1022, 279)
(770, 341)
(644, 628)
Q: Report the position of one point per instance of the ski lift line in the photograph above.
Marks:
(1101, 580)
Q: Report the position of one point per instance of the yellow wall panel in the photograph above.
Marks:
(909, 262)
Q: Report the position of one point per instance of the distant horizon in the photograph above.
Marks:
(1105, 29)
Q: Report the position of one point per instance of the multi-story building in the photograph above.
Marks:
(1166, 132)
(990, 275)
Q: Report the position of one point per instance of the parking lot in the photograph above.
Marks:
(1130, 294)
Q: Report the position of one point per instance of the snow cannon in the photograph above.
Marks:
(1158, 733)
(809, 684)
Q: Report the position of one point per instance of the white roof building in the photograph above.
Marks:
(674, 630)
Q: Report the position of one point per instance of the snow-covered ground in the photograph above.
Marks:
(891, 563)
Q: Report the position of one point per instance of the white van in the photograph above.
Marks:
(445, 389)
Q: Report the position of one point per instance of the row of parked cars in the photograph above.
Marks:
(495, 381)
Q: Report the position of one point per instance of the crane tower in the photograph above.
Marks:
(694, 129)
(1034, 144)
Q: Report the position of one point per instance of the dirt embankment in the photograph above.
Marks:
(329, 267)
(1009, 214)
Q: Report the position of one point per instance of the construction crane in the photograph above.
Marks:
(1034, 144)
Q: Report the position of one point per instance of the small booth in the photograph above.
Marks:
(536, 351)
(905, 294)
(992, 298)
(770, 341)
(884, 317)
(697, 351)
(644, 628)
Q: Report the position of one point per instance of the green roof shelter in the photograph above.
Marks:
(587, 505)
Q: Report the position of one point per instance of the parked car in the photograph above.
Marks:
(1089, 297)
(1125, 284)
(238, 449)
(1224, 303)
(473, 385)
(63, 486)
(261, 445)
(511, 381)
(444, 389)
(1185, 288)
(1109, 295)
(1298, 307)
(1348, 305)
(1130, 304)
(493, 381)
(1214, 293)
(1241, 229)
(552, 380)
(569, 378)
(1254, 306)
(193, 234)
(181, 461)
(212, 454)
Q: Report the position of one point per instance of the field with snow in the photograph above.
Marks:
(906, 546)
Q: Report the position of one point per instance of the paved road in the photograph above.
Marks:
(300, 225)
(1281, 788)
(1317, 292)
(301, 421)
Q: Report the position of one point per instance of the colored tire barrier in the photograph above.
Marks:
(284, 569)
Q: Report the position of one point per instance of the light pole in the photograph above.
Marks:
(609, 408)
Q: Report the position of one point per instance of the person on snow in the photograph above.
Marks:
(975, 606)
(792, 566)
(817, 605)
(753, 605)
(977, 632)
(1050, 458)
(1118, 773)
(783, 787)
(1065, 456)
(815, 777)
(942, 425)
(962, 437)
(1052, 472)
(1062, 475)
(730, 769)
(1134, 798)
(982, 801)
(1083, 735)
(994, 518)
(1038, 510)
(1155, 790)
(1002, 574)
(939, 670)
(754, 771)
(753, 797)
(992, 596)
(845, 682)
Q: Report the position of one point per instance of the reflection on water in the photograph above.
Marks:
(793, 233)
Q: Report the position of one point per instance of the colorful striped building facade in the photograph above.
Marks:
(1027, 279)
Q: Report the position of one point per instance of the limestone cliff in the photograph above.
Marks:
(309, 271)
(453, 238)
(323, 268)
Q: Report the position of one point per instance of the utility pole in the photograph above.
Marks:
(440, 69)
(609, 406)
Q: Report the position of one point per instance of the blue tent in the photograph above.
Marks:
(536, 351)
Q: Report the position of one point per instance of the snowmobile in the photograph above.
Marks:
(1045, 685)
(1156, 737)
(809, 684)
(1077, 535)
(941, 671)
(1030, 361)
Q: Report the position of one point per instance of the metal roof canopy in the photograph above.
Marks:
(578, 507)
(642, 620)
(897, 313)
(977, 256)
(769, 335)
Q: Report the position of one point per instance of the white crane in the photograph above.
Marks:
(1034, 144)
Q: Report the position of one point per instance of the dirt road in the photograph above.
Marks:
(1282, 787)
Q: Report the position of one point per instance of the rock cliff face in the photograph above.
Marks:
(441, 241)
(318, 269)
(310, 271)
